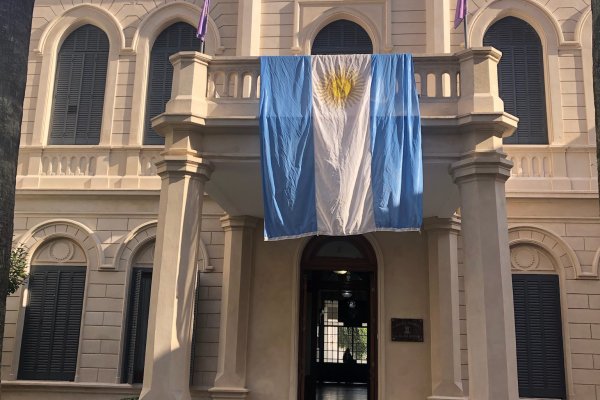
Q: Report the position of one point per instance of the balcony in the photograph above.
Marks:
(213, 112)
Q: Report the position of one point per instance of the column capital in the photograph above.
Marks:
(433, 224)
(229, 222)
(491, 164)
(184, 164)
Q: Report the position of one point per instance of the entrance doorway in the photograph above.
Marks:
(338, 320)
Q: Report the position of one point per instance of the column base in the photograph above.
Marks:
(226, 393)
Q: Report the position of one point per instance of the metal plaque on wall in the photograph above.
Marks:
(407, 330)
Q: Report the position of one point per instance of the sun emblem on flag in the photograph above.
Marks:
(341, 87)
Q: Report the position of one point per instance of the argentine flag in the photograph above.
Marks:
(341, 145)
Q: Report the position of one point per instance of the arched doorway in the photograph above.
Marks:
(338, 320)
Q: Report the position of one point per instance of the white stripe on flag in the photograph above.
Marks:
(342, 144)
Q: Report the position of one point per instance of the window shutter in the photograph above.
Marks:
(52, 323)
(538, 328)
(196, 328)
(137, 325)
(521, 78)
(342, 37)
(79, 87)
(177, 37)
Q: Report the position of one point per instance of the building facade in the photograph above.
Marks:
(142, 218)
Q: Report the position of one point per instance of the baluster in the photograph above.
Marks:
(46, 166)
(64, 165)
(535, 167)
(439, 84)
(424, 90)
(225, 85)
(254, 85)
(453, 83)
(547, 167)
(240, 84)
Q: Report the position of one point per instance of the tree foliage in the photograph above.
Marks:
(18, 269)
(355, 339)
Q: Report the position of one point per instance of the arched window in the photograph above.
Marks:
(50, 341)
(521, 78)
(177, 37)
(79, 87)
(342, 37)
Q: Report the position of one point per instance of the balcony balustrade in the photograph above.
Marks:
(456, 91)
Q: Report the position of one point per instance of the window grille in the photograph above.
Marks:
(337, 337)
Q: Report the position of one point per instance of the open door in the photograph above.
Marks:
(338, 325)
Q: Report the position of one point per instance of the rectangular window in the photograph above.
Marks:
(538, 328)
(52, 323)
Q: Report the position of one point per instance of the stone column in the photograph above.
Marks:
(230, 382)
(446, 377)
(168, 349)
(488, 285)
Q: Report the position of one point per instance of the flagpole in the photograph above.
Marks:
(202, 46)
(465, 29)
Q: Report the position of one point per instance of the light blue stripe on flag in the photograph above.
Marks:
(288, 172)
(396, 168)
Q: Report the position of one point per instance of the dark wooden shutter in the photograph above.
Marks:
(177, 37)
(342, 37)
(538, 327)
(521, 78)
(137, 325)
(79, 87)
(52, 323)
(195, 329)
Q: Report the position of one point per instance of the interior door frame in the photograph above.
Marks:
(368, 264)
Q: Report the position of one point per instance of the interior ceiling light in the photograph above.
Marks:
(346, 294)
(341, 272)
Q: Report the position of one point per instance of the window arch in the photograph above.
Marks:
(177, 37)
(342, 37)
(521, 78)
(79, 87)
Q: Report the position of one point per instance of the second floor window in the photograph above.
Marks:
(177, 37)
(521, 78)
(79, 87)
(342, 37)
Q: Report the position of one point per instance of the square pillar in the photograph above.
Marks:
(230, 382)
(488, 284)
(446, 376)
(169, 343)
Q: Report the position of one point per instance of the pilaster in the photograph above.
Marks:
(488, 286)
(230, 382)
(446, 376)
(169, 342)
(248, 28)
(438, 26)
